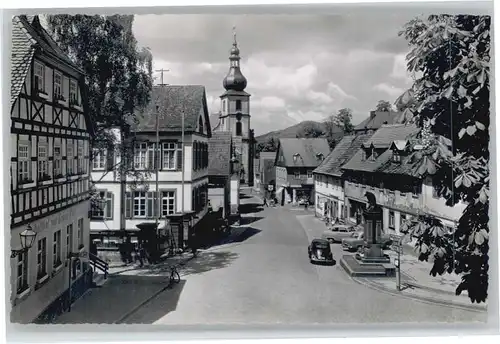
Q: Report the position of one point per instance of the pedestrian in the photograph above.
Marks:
(194, 244)
(142, 255)
(265, 203)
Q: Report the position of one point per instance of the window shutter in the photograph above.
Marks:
(128, 203)
(195, 155)
(109, 207)
(179, 156)
(110, 158)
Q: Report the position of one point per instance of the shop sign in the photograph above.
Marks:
(54, 221)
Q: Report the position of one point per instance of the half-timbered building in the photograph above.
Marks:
(50, 132)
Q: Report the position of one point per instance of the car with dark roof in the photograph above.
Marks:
(319, 251)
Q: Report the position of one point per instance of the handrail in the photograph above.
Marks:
(99, 263)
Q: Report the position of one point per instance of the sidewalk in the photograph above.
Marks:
(415, 275)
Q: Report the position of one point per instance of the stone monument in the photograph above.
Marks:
(373, 216)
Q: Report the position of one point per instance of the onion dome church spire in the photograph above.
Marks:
(234, 79)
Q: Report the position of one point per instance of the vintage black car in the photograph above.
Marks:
(319, 252)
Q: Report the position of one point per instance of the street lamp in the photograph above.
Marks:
(27, 239)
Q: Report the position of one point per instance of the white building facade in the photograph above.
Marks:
(49, 165)
(182, 173)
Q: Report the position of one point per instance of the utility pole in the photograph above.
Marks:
(182, 180)
(157, 166)
(162, 71)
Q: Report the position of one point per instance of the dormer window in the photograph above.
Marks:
(320, 156)
(39, 77)
(373, 154)
(396, 156)
(296, 157)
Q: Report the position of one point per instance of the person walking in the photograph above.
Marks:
(265, 203)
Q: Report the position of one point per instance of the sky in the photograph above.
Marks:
(298, 67)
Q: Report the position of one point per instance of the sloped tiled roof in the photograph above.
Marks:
(22, 53)
(307, 150)
(172, 101)
(341, 154)
(387, 134)
(219, 152)
(378, 119)
(383, 139)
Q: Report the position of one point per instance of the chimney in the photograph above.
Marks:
(372, 114)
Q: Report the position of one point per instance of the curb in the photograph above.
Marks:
(452, 304)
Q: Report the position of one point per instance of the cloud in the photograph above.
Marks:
(389, 89)
(298, 67)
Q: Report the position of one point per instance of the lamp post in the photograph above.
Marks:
(27, 239)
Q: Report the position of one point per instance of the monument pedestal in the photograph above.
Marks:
(372, 261)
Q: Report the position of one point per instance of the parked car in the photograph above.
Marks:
(303, 201)
(319, 252)
(338, 232)
(357, 240)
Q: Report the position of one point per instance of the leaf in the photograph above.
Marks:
(479, 238)
(468, 103)
(477, 89)
(481, 78)
(471, 129)
(480, 125)
(458, 180)
(461, 133)
(466, 181)
(484, 233)
(471, 238)
(449, 91)
(462, 91)
(483, 197)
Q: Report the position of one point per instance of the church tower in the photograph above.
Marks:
(235, 114)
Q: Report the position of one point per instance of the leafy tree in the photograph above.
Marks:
(118, 77)
(343, 120)
(310, 131)
(451, 105)
(383, 105)
(271, 145)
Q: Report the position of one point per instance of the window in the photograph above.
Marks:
(151, 156)
(69, 239)
(297, 174)
(169, 156)
(102, 208)
(396, 157)
(309, 174)
(80, 157)
(167, 203)
(58, 86)
(151, 205)
(238, 129)
(42, 162)
(99, 159)
(57, 161)
(73, 95)
(42, 258)
(238, 105)
(373, 154)
(22, 272)
(80, 233)
(23, 162)
(391, 219)
(140, 153)
(39, 77)
(139, 204)
(56, 249)
(69, 158)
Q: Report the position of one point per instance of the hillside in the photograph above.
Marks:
(298, 130)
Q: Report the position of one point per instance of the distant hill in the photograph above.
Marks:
(299, 130)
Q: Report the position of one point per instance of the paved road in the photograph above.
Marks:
(267, 279)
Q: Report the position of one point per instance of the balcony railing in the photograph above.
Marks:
(385, 197)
